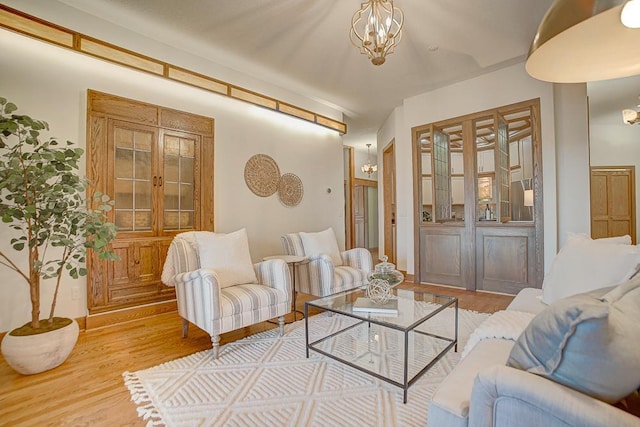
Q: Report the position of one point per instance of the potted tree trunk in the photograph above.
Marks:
(42, 198)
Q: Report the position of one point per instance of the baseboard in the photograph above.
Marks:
(109, 318)
(407, 277)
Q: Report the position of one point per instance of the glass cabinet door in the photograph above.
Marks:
(178, 182)
(132, 165)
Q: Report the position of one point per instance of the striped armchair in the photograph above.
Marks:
(321, 277)
(216, 310)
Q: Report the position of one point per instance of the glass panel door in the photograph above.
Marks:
(132, 169)
(424, 139)
(441, 176)
(502, 167)
(178, 182)
(484, 135)
(520, 164)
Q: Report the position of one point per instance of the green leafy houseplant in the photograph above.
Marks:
(43, 199)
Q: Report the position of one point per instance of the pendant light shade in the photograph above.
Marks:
(582, 41)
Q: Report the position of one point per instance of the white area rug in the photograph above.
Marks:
(266, 380)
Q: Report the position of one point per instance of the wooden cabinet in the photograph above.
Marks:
(457, 163)
(457, 190)
(427, 191)
(426, 163)
(514, 154)
(137, 274)
(157, 165)
(486, 162)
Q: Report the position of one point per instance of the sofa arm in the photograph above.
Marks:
(359, 258)
(275, 274)
(504, 396)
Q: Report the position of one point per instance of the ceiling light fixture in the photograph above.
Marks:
(368, 168)
(376, 29)
(630, 15)
(583, 41)
(630, 117)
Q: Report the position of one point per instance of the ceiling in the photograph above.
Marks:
(304, 46)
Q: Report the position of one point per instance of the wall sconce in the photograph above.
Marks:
(528, 197)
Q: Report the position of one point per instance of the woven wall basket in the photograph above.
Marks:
(290, 189)
(262, 175)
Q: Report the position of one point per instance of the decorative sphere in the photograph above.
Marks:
(378, 291)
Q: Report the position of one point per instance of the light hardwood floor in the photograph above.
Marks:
(87, 390)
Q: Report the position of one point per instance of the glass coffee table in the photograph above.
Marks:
(396, 348)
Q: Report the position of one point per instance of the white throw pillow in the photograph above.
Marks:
(228, 255)
(322, 242)
(618, 240)
(583, 265)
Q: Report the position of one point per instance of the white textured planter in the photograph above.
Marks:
(33, 354)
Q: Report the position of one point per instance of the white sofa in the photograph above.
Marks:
(482, 391)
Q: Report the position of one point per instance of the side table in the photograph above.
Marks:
(293, 261)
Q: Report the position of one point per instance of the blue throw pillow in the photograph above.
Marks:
(589, 342)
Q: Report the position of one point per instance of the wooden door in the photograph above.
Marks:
(349, 236)
(389, 200)
(360, 216)
(613, 202)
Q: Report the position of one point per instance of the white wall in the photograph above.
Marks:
(50, 83)
(572, 150)
(502, 87)
(617, 145)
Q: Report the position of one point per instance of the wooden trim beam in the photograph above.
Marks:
(46, 31)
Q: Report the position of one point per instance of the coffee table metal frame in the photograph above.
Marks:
(371, 318)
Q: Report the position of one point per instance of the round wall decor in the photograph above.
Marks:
(261, 173)
(290, 189)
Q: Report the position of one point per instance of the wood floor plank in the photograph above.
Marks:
(88, 389)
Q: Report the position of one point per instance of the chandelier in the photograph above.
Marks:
(368, 168)
(376, 29)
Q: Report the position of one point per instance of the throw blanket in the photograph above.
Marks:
(505, 324)
(177, 260)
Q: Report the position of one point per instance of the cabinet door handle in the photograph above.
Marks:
(159, 181)
(155, 181)
(137, 262)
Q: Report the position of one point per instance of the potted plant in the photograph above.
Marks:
(42, 199)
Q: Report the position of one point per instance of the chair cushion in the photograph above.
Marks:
(322, 242)
(345, 278)
(583, 265)
(228, 256)
(588, 342)
(249, 297)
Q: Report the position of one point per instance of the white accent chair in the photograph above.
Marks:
(321, 277)
(216, 309)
